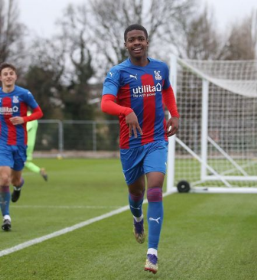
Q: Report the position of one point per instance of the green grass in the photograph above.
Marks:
(204, 236)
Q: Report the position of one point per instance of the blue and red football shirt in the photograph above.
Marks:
(140, 88)
(14, 104)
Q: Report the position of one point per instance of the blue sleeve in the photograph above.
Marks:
(166, 76)
(30, 100)
(112, 82)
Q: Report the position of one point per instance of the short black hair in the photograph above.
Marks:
(135, 27)
(7, 65)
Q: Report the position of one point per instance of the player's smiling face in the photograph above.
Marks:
(136, 44)
(8, 77)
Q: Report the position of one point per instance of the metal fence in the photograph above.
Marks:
(59, 137)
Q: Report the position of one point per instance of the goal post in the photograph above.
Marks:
(215, 149)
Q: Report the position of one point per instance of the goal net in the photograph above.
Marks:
(216, 146)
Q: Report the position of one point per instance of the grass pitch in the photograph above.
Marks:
(204, 236)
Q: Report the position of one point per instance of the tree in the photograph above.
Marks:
(201, 39)
(75, 35)
(45, 75)
(242, 40)
(75, 30)
(110, 18)
(11, 32)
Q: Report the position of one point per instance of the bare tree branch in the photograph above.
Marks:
(242, 40)
(11, 31)
(110, 18)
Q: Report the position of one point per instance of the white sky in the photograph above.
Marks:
(40, 15)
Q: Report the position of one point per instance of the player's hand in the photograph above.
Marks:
(16, 120)
(132, 122)
(172, 126)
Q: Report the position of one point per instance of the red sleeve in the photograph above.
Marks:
(170, 102)
(109, 106)
(35, 115)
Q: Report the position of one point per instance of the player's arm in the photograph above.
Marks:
(109, 106)
(109, 96)
(36, 114)
(170, 103)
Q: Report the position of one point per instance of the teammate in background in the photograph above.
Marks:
(32, 132)
(137, 90)
(14, 103)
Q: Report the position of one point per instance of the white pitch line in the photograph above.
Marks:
(61, 232)
(66, 230)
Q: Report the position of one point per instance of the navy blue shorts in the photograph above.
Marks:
(151, 157)
(13, 156)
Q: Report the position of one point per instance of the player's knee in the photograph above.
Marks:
(137, 188)
(137, 195)
(154, 194)
(5, 179)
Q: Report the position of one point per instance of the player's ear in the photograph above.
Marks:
(125, 45)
